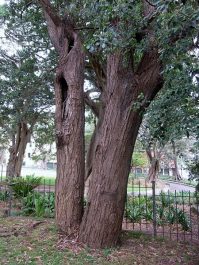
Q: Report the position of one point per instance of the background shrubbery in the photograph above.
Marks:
(141, 208)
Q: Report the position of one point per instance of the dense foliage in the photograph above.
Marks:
(141, 208)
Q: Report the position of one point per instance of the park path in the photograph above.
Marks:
(175, 186)
(170, 186)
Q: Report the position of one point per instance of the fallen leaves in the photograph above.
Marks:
(39, 243)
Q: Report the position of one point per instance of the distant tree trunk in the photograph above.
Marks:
(154, 165)
(102, 220)
(69, 120)
(175, 169)
(89, 155)
(17, 150)
(91, 149)
(2, 155)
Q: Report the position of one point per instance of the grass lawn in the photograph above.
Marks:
(44, 180)
(26, 241)
(136, 188)
(50, 181)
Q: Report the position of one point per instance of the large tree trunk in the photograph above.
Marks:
(17, 151)
(69, 120)
(102, 221)
(70, 140)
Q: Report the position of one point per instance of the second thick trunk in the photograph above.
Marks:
(111, 158)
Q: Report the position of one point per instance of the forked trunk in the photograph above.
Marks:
(102, 221)
(101, 224)
(153, 170)
(17, 151)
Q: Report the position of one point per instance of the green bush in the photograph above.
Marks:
(196, 196)
(141, 208)
(165, 200)
(39, 205)
(22, 186)
(4, 195)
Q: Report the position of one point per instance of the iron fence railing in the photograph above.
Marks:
(150, 207)
(169, 214)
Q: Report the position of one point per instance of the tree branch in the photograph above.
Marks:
(86, 28)
(99, 71)
(92, 104)
(150, 3)
(50, 12)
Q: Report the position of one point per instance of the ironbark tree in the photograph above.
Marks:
(114, 145)
(69, 119)
(132, 80)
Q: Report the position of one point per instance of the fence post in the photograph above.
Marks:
(1, 172)
(9, 201)
(154, 209)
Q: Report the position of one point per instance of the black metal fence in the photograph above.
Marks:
(164, 213)
(23, 199)
(150, 208)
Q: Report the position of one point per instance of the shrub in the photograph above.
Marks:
(39, 205)
(165, 200)
(22, 186)
(141, 208)
(4, 195)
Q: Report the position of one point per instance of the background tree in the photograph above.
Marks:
(174, 115)
(44, 139)
(25, 99)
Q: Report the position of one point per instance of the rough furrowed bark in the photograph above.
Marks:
(102, 220)
(101, 224)
(70, 140)
(90, 154)
(69, 119)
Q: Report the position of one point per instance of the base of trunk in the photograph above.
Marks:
(105, 230)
